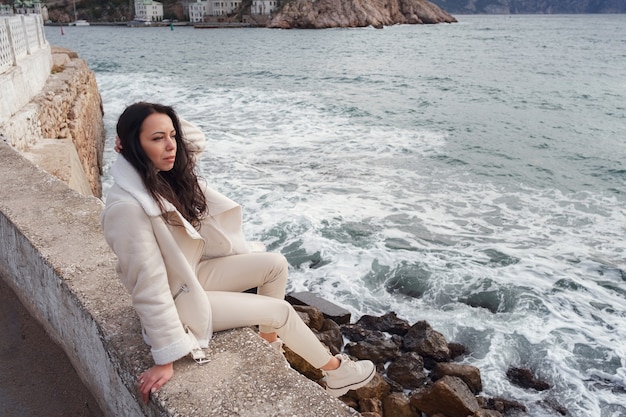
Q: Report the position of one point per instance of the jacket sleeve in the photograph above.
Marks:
(128, 231)
(194, 137)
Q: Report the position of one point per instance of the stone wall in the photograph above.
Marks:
(61, 128)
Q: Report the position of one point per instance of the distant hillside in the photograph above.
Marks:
(105, 10)
(531, 6)
(119, 10)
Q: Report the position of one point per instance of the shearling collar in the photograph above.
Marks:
(128, 179)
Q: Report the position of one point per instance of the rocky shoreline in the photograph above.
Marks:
(322, 14)
(419, 371)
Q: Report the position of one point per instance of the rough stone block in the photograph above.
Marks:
(332, 311)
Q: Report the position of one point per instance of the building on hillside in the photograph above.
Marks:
(25, 7)
(6, 10)
(201, 8)
(198, 10)
(223, 7)
(263, 7)
(148, 11)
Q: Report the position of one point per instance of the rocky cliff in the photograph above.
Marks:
(71, 107)
(319, 14)
(532, 6)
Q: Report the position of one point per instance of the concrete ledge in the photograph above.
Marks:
(53, 255)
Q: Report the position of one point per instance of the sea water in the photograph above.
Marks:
(469, 174)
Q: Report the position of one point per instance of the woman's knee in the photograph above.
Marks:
(277, 260)
(287, 313)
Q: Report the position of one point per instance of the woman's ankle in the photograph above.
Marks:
(269, 337)
(332, 364)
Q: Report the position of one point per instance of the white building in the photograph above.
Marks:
(148, 11)
(201, 8)
(198, 10)
(263, 6)
(25, 7)
(223, 7)
(6, 10)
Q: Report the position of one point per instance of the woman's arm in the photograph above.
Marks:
(194, 136)
(128, 231)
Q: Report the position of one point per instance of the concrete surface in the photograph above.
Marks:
(53, 255)
(37, 377)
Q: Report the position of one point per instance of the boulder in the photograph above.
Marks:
(315, 317)
(330, 335)
(524, 378)
(328, 309)
(469, 374)
(449, 396)
(378, 350)
(397, 404)
(428, 343)
(357, 333)
(388, 323)
(408, 371)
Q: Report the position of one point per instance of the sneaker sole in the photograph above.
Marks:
(338, 392)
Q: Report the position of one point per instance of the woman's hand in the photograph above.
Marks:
(153, 379)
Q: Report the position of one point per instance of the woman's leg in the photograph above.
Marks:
(231, 310)
(266, 271)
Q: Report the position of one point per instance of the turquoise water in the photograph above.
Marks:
(471, 175)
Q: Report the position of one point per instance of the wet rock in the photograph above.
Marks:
(315, 316)
(330, 311)
(456, 350)
(401, 359)
(378, 350)
(502, 405)
(554, 405)
(376, 388)
(398, 405)
(469, 374)
(389, 323)
(428, 343)
(357, 333)
(449, 396)
(299, 364)
(371, 405)
(487, 413)
(330, 335)
(524, 378)
(408, 371)
(393, 385)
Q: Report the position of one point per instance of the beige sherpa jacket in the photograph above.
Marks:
(157, 261)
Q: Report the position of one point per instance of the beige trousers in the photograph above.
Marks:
(225, 278)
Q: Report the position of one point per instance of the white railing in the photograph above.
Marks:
(19, 36)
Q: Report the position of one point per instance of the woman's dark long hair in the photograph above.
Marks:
(179, 185)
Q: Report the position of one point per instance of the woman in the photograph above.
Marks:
(183, 257)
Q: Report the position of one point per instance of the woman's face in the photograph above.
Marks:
(158, 140)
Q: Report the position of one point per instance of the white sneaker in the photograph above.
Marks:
(277, 345)
(349, 375)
